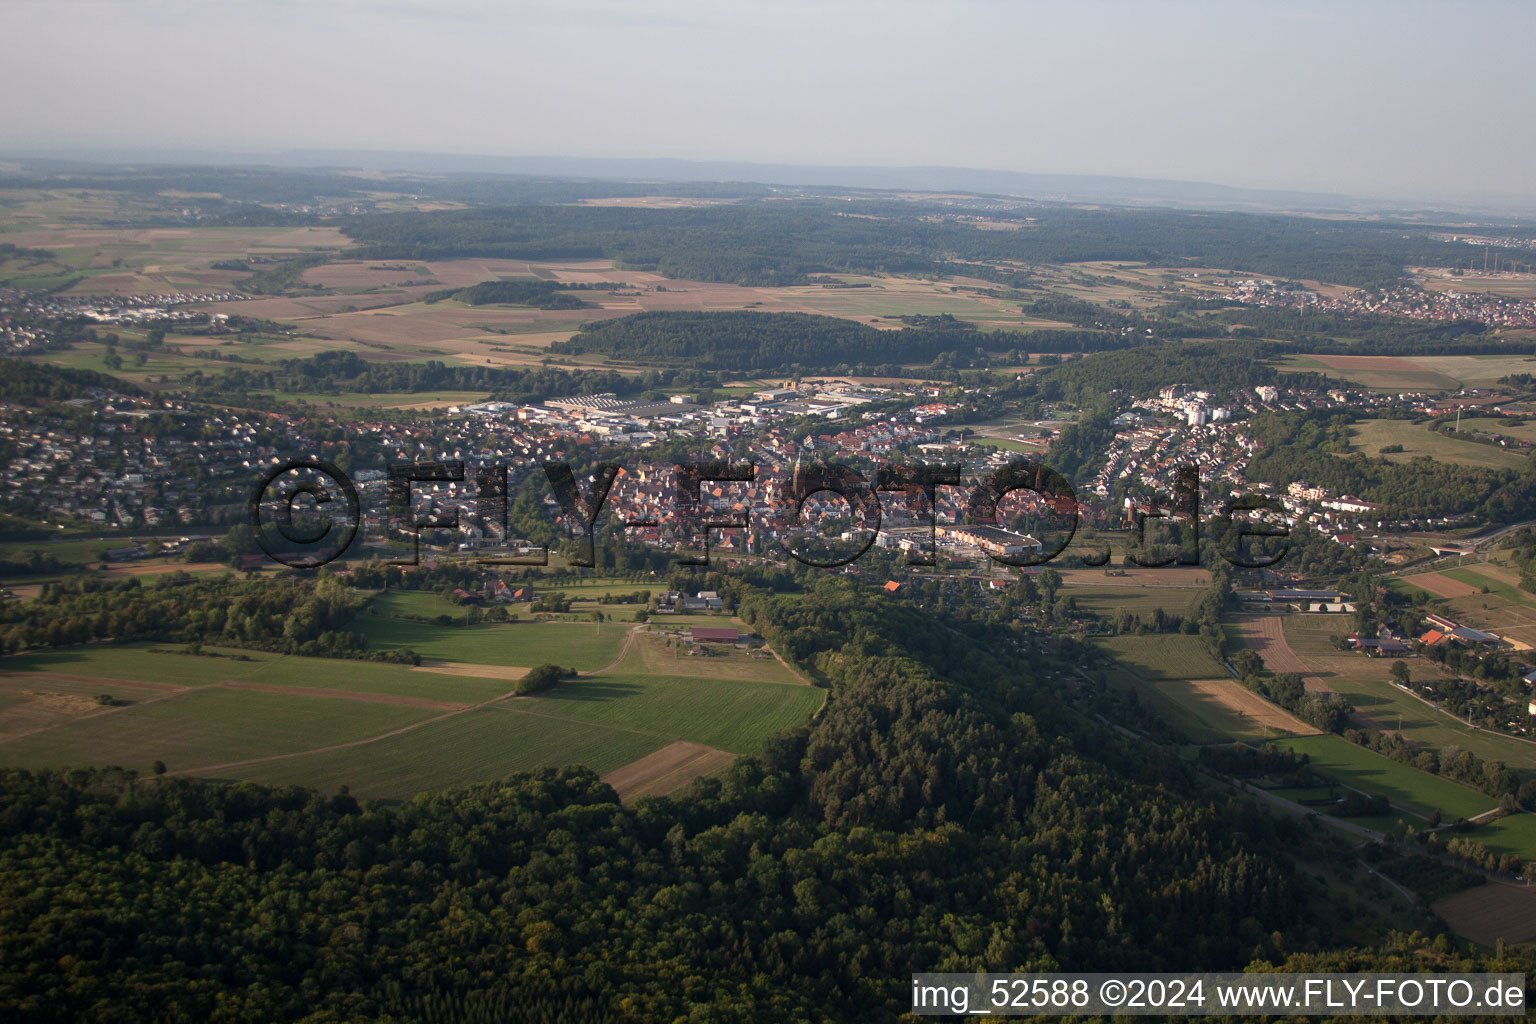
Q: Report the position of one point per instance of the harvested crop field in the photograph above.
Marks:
(667, 770)
(1231, 699)
(462, 668)
(1388, 373)
(1263, 634)
(1488, 913)
(1441, 585)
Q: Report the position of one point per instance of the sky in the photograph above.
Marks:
(1391, 99)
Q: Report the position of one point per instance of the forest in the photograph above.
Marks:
(759, 243)
(345, 371)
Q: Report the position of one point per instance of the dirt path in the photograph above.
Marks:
(207, 768)
(366, 697)
(629, 639)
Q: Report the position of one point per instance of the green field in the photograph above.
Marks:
(1509, 426)
(658, 694)
(1513, 833)
(1006, 444)
(473, 747)
(1163, 656)
(141, 663)
(583, 646)
(1371, 436)
(1419, 792)
(1365, 682)
(1384, 375)
(1473, 578)
(603, 721)
(1375, 822)
(1195, 714)
(1142, 601)
(204, 727)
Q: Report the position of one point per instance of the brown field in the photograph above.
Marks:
(1440, 586)
(1490, 912)
(1388, 373)
(464, 668)
(1512, 619)
(1231, 696)
(1391, 363)
(1263, 633)
(60, 696)
(667, 770)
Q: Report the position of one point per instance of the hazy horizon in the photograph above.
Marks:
(1393, 101)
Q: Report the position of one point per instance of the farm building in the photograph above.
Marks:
(1301, 600)
(1468, 635)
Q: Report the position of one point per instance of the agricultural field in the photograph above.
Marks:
(1491, 913)
(389, 730)
(1506, 609)
(1513, 833)
(1416, 373)
(1376, 373)
(1486, 577)
(1184, 684)
(583, 646)
(1408, 788)
(1418, 441)
(1109, 600)
(1163, 656)
(1366, 683)
(1509, 426)
(1512, 285)
(98, 668)
(1213, 710)
(1319, 799)
(475, 746)
(609, 720)
(204, 726)
(668, 769)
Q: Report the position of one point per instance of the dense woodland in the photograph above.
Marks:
(345, 371)
(774, 243)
